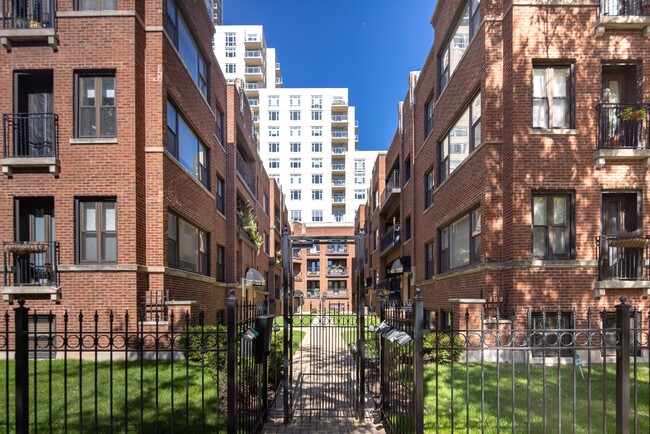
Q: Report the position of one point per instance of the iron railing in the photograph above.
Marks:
(389, 239)
(296, 254)
(343, 134)
(336, 293)
(338, 199)
(339, 118)
(245, 172)
(313, 252)
(31, 263)
(338, 182)
(338, 150)
(623, 126)
(313, 293)
(338, 166)
(155, 306)
(337, 271)
(625, 7)
(622, 258)
(337, 250)
(392, 185)
(30, 135)
(28, 14)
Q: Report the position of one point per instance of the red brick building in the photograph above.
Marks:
(125, 156)
(527, 138)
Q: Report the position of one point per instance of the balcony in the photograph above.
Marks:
(339, 136)
(253, 73)
(389, 288)
(245, 173)
(313, 273)
(30, 141)
(313, 252)
(340, 119)
(338, 182)
(278, 81)
(391, 192)
(623, 15)
(389, 241)
(338, 199)
(296, 255)
(339, 150)
(253, 41)
(338, 167)
(253, 57)
(339, 105)
(622, 263)
(297, 277)
(623, 132)
(313, 293)
(337, 250)
(31, 268)
(337, 271)
(28, 21)
(336, 293)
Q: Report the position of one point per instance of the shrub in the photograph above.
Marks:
(206, 343)
(445, 353)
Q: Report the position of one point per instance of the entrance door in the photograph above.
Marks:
(621, 217)
(35, 225)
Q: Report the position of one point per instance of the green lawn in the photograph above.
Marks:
(372, 342)
(553, 412)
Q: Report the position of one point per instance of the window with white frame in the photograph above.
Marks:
(316, 102)
(295, 163)
(317, 131)
(316, 163)
(360, 179)
(296, 215)
(231, 68)
(294, 147)
(294, 131)
(316, 179)
(428, 117)
(359, 165)
(552, 91)
(461, 140)
(317, 195)
(429, 183)
(316, 115)
(317, 215)
(294, 101)
(339, 216)
(274, 115)
(316, 147)
(294, 115)
(231, 39)
(274, 147)
(274, 131)
(274, 163)
(295, 179)
(296, 194)
(274, 101)
(231, 52)
(360, 194)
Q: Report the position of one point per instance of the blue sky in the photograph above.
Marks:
(367, 46)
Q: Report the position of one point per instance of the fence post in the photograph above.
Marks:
(232, 361)
(623, 368)
(384, 354)
(418, 362)
(22, 368)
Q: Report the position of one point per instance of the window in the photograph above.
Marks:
(187, 48)
(295, 147)
(231, 68)
(461, 140)
(407, 228)
(547, 332)
(339, 216)
(360, 179)
(428, 117)
(231, 39)
(274, 101)
(552, 91)
(316, 115)
(274, 163)
(316, 147)
(313, 289)
(360, 194)
(231, 52)
(96, 116)
(316, 131)
(317, 195)
(407, 169)
(296, 194)
(552, 226)
(221, 203)
(220, 130)
(97, 235)
(317, 179)
(294, 115)
(274, 147)
(183, 144)
(187, 245)
(428, 193)
(95, 5)
(41, 330)
(359, 165)
(317, 215)
(429, 258)
(294, 131)
(316, 102)
(295, 163)
(295, 179)
(274, 115)
(265, 236)
(455, 47)
(221, 264)
(274, 131)
(296, 215)
(316, 163)
(294, 101)
(458, 242)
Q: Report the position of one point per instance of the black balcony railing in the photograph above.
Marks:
(244, 171)
(337, 250)
(315, 293)
(29, 135)
(625, 7)
(28, 14)
(337, 271)
(31, 263)
(623, 258)
(623, 126)
(390, 238)
(392, 184)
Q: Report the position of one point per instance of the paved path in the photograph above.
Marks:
(327, 349)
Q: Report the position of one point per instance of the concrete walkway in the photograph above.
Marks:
(323, 373)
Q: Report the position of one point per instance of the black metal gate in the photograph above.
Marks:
(325, 375)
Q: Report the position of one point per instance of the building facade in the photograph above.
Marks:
(121, 165)
(530, 144)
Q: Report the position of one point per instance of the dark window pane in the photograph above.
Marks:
(89, 247)
(107, 122)
(109, 247)
(108, 4)
(87, 122)
(539, 242)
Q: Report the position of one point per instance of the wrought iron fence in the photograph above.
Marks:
(623, 126)
(625, 7)
(31, 263)
(623, 258)
(28, 14)
(30, 135)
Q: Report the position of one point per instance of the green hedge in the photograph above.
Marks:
(445, 353)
